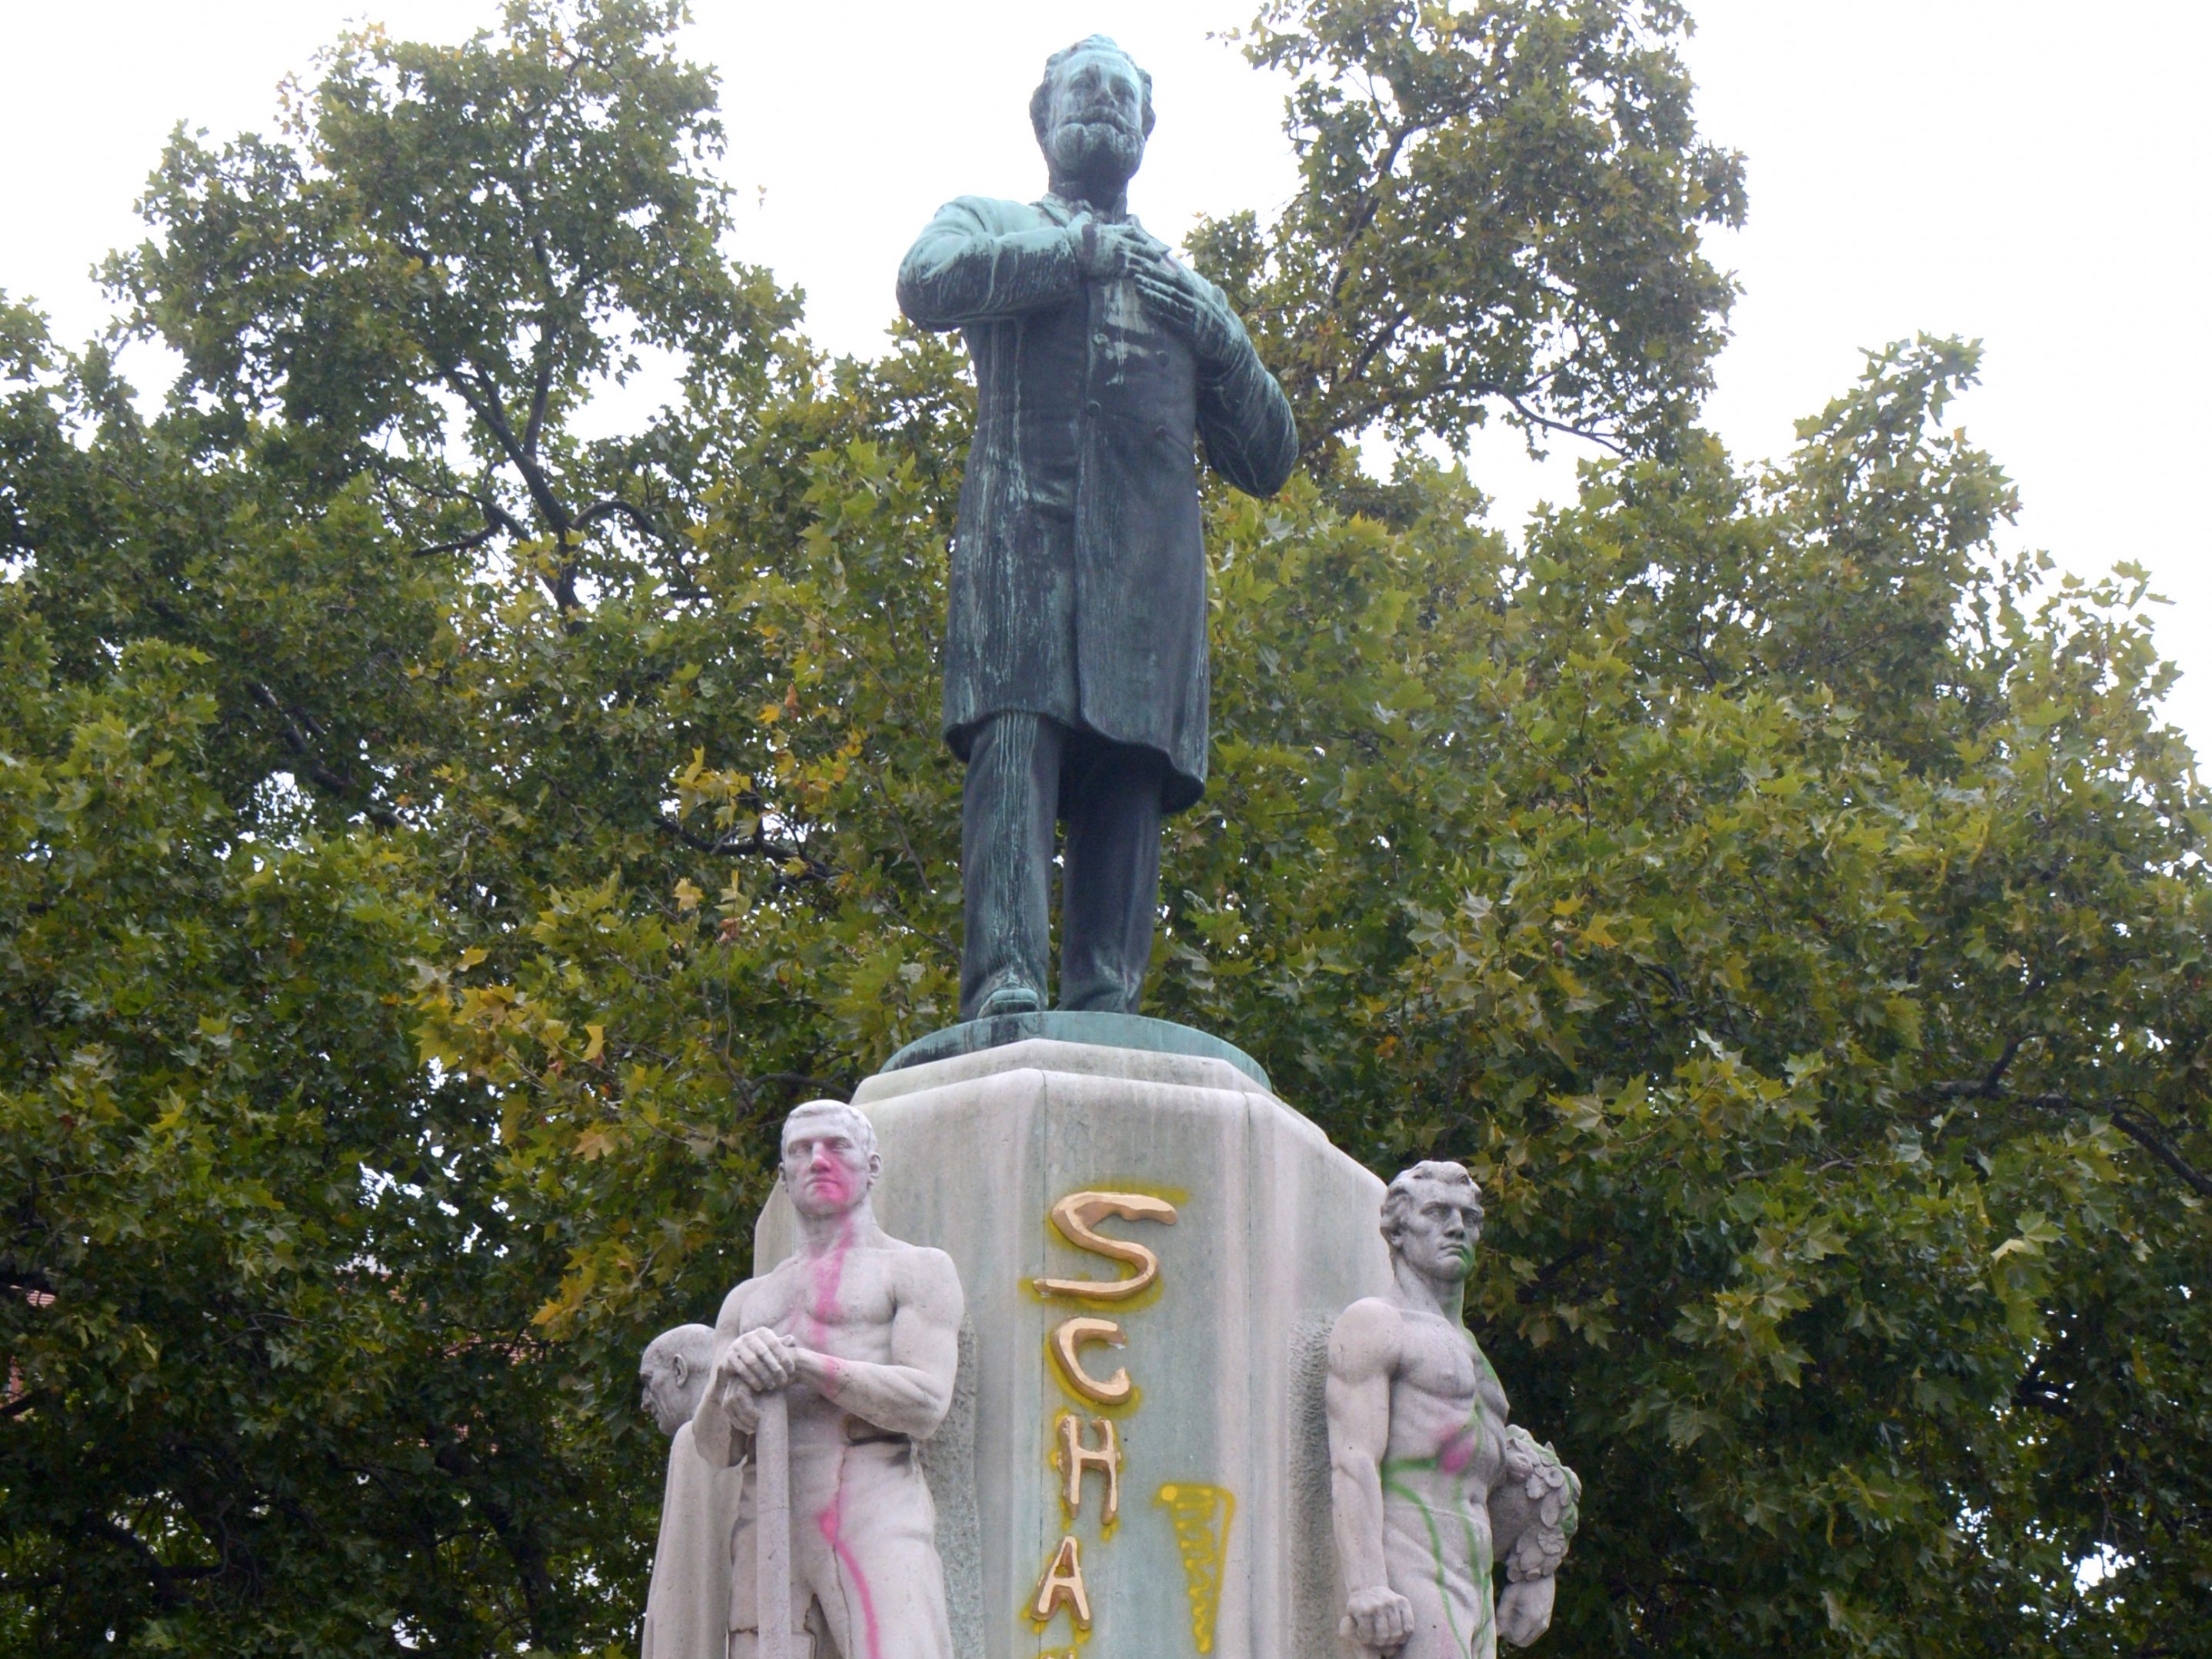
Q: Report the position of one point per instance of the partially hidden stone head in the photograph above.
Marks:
(829, 1157)
(1432, 1218)
(673, 1374)
(1092, 112)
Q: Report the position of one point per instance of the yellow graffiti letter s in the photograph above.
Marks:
(1075, 1218)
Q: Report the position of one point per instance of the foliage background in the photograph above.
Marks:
(442, 846)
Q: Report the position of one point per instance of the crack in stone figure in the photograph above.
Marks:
(1075, 662)
(862, 1333)
(1430, 1486)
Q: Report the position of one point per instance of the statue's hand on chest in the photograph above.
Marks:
(1149, 288)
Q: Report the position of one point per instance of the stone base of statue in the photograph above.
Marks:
(1153, 1249)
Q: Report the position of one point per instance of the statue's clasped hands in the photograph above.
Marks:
(1169, 290)
(759, 1361)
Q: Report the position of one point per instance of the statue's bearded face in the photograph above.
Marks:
(1096, 132)
(1435, 1229)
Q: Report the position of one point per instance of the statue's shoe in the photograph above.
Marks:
(1011, 999)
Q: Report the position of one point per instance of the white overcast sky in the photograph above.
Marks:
(2029, 173)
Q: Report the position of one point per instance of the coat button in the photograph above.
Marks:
(1091, 408)
(1099, 338)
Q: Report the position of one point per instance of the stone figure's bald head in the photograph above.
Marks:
(853, 1119)
(673, 1374)
(829, 1157)
(1092, 112)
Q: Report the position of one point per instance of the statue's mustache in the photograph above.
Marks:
(1107, 127)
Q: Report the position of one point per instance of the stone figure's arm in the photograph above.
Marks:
(1251, 436)
(965, 269)
(1363, 1357)
(911, 1395)
(722, 1427)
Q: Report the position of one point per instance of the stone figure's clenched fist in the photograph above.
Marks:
(1378, 1618)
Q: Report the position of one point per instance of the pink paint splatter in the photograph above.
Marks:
(828, 1522)
(1458, 1452)
(826, 1275)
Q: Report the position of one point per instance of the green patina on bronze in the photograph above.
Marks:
(1075, 660)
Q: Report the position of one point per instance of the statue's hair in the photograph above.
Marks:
(1041, 100)
(1398, 1197)
(695, 1342)
(864, 1133)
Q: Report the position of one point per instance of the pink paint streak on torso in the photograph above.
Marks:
(839, 1303)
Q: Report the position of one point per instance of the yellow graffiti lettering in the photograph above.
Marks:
(1075, 1218)
(1061, 1586)
(1200, 1516)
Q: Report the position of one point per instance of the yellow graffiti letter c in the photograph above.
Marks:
(1069, 1335)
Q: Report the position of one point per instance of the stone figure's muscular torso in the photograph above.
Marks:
(1447, 1419)
(846, 1305)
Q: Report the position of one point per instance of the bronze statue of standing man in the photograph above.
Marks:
(1075, 670)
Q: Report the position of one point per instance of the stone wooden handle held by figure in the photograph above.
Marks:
(772, 1524)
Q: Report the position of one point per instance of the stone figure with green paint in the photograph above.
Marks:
(1075, 660)
(1430, 1489)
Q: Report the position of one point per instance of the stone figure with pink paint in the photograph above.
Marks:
(1431, 1489)
(859, 1334)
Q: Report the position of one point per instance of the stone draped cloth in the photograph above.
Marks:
(687, 1606)
(1078, 586)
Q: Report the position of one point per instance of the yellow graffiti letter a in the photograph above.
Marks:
(1062, 1584)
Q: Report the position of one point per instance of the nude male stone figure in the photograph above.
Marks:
(1428, 1485)
(862, 1333)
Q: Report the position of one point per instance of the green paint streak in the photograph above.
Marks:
(1477, 1557)
(1390, 1484)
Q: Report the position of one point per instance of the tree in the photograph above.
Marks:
(1793, 911)
(1499, 212)
(403, 299)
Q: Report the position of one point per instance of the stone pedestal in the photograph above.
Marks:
(1222, 1543)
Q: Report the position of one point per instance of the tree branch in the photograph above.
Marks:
(473, 387)
(167, 1590)
(497, 521)
(462, 545)
(613, 506)
(2160, 1148)
(2136, 1126)
(312, 766)
(757, 844)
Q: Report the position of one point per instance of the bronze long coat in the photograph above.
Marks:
(1079, 574)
